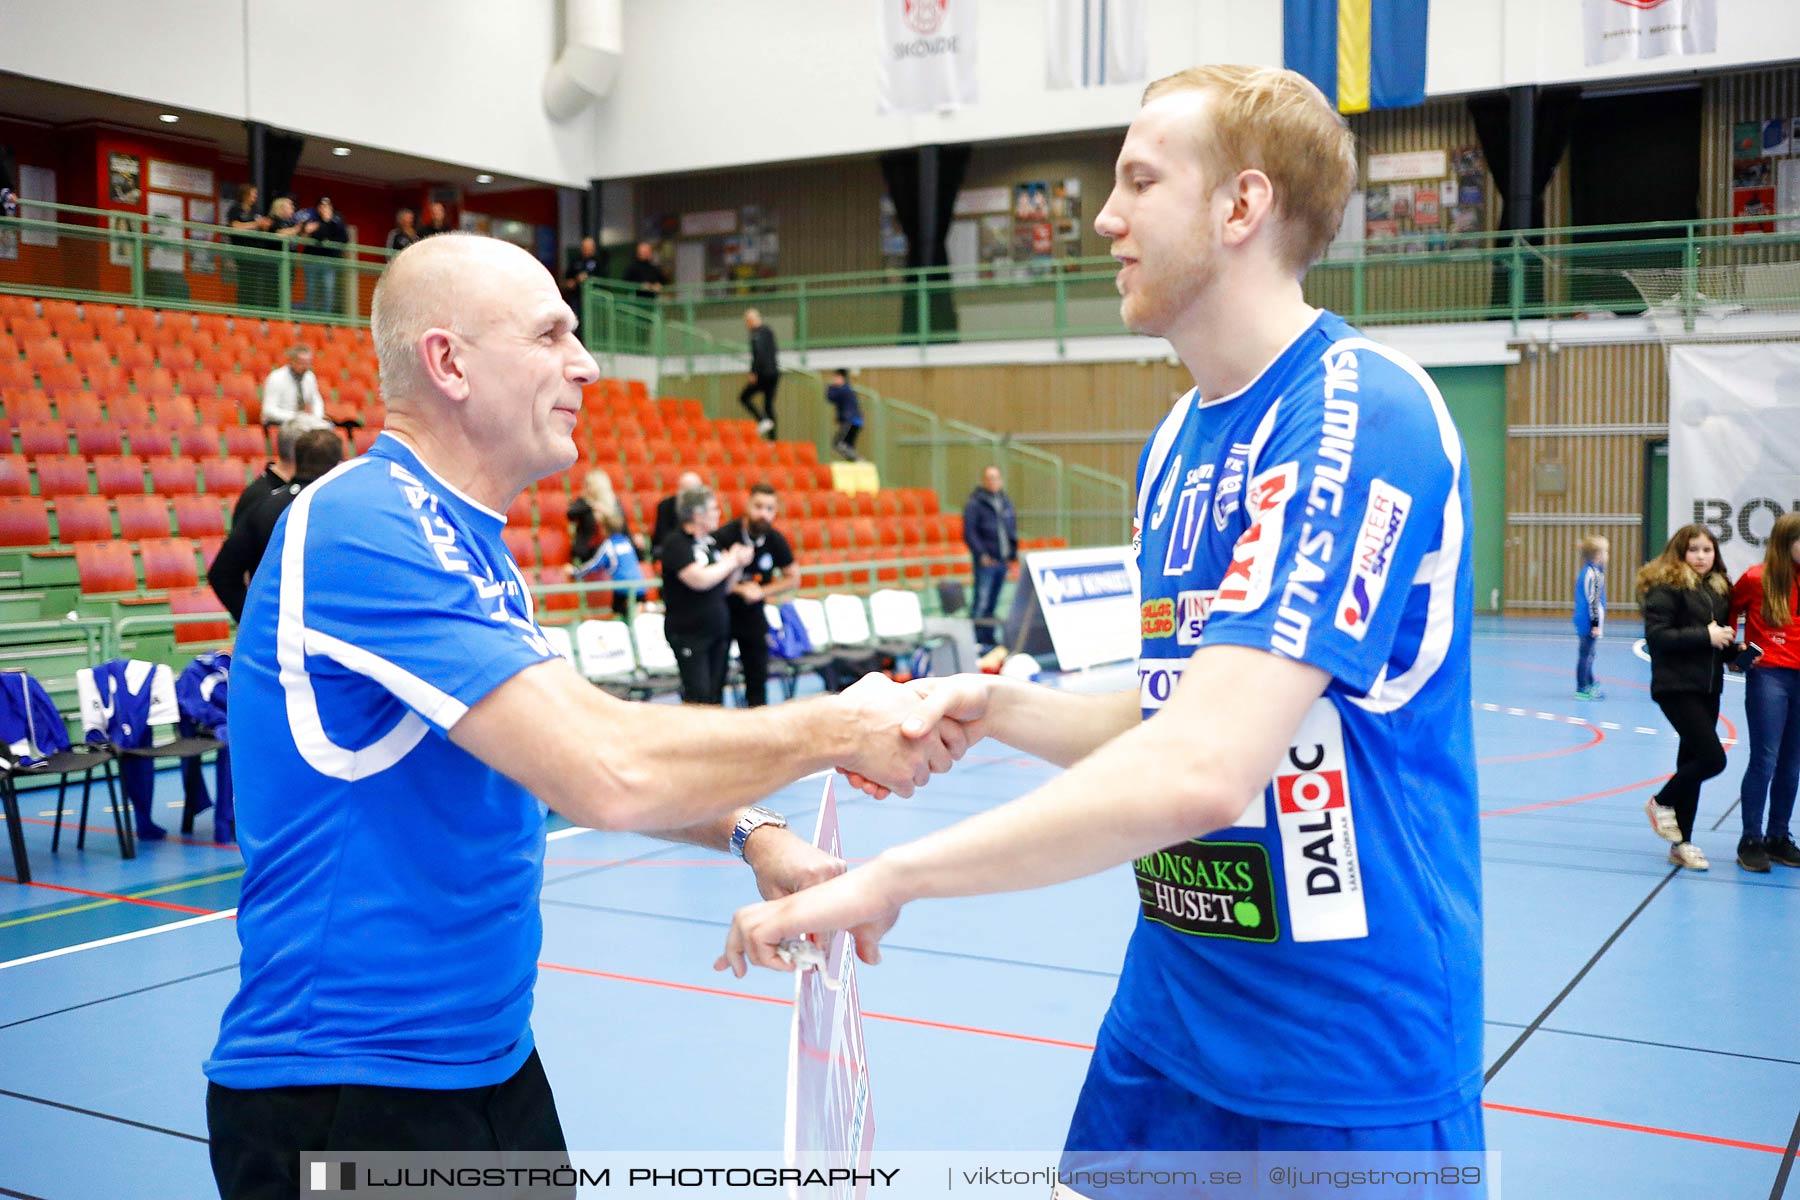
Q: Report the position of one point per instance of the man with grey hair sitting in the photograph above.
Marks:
(278, 474)
(696, 579)
(401, 724)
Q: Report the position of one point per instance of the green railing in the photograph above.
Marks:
(910, 446)
(1514, 277)
(128, 258)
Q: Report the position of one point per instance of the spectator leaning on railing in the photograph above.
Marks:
(325, 229)
(404, 233)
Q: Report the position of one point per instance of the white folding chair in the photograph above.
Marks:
(561, 642)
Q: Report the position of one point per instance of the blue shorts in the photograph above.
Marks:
(1128, 1111)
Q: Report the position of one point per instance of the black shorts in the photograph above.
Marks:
(259, 1134)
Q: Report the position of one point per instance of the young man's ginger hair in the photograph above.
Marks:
(1276, 122)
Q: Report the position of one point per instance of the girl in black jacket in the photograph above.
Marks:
(1686, 595)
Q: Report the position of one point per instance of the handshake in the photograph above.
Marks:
(900, 735)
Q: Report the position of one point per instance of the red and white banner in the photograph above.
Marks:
(1618, 30)
(927, 55)
(830, 1114)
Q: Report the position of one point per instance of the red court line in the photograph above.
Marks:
(107, 829)
(873, 1016)
(1599, 736)
(57, 887)
(1043, 1041)
(1631, 1128)
(1525, 808)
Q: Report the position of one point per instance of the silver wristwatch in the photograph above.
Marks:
(754, 818)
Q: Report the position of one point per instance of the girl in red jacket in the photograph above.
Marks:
(1767, 598)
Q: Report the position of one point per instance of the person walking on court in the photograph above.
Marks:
(1306, 970)
(1686, 596)
(765, 373)
(1590, 614)
(399, 724)
(1767, 598)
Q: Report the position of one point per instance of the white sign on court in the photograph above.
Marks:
(830, 1113)
(1089, 599)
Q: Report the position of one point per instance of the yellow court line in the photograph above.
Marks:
(93, 904)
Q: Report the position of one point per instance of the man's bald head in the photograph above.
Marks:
(457, 281)
(689, 481)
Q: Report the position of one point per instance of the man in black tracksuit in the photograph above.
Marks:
(765, 373)
(316, 452)
(764, 578)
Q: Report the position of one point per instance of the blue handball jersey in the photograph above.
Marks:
(1319, 962)
(389, 914)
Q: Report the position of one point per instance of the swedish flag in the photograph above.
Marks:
(1362, 54)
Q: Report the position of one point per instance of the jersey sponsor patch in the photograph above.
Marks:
(1246, 582)
(1210, 889)
(1383, 522)
(1157, 678)
(1157, 618)
(1313, 813)
(1191, 609)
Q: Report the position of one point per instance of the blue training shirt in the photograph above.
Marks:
(389, 913)
(1319, 962)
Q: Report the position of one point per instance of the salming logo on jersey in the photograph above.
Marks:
(1313, 811)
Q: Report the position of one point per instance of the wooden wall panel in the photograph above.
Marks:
(1587, 410)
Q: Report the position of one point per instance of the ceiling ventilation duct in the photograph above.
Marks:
(593, 48)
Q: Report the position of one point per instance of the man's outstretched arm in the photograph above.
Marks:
(1185, 773)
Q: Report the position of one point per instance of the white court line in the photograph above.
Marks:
(123, 937)
(1611, 725)
(1646, 729)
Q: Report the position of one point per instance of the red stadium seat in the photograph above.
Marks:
(522, 545)
(15, 475)
(79, 408)
(169, 562)
(62, 475)
(553, 543)
(119, 475)
(95, 440)
(83, 519)
(199, 516)
(171, 476)
(184, 601)
(143, 517)
(246, 441)
(105, 568)
(223, 476)
(24, 521)
(127, 411)
(38, 438)
(149, 441)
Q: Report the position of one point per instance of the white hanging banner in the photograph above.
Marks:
(1734, 459)
(927, 59)
(1096, 43)
(1618, 30)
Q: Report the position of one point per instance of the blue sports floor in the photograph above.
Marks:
(1642, 1031)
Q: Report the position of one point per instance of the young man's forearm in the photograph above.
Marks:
(1057, 726)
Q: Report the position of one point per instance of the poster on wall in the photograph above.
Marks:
(179, 177)
(202, 212)
(166, 212)
(1787, 192)
(118, 242)
(124, 174)
(9, 238)
(37, 183)
(1031, 201)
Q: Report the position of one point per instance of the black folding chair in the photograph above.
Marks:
(82, 759)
